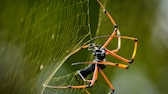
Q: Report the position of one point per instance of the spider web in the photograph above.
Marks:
(74, 20)
(38, 37)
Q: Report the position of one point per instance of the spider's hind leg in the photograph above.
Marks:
(83, 73)
(78, 78)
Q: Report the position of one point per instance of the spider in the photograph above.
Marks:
(100, 52)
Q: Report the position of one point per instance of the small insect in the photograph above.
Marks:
(100, 52)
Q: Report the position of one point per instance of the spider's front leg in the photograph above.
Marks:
(115, 32)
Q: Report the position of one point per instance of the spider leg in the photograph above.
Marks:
(84, 72)
(116, 30)
(73, 64)
(122, 58)
(69, 86)
(83, 78)
(125, 37)
(106, 12)
(84, 47)
(115, 64)
(106, 79)
(64, 87)
(95, 75)
(94, 78)
(80, 48)
(104, 63)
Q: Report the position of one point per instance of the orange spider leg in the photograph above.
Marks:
(94, 78)
(63, 87)
(95, 75)
(115, 64)
(104, 63)
(106, 79)
(116, 30)
(85, 46)
(78, 49)
(119, 57)
(135, 45)
(111, 37)
(122, 58)
(106, 12)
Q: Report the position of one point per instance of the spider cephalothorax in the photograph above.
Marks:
(98, 52)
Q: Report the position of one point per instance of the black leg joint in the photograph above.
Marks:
(115, 26)
(89, 86)
(127, 67)
(104, 11)
(131, 61)
(136, 39)
(112, 92)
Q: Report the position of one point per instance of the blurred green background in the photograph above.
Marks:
(38, 38)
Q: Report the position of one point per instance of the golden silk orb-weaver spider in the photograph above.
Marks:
(100, 52)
